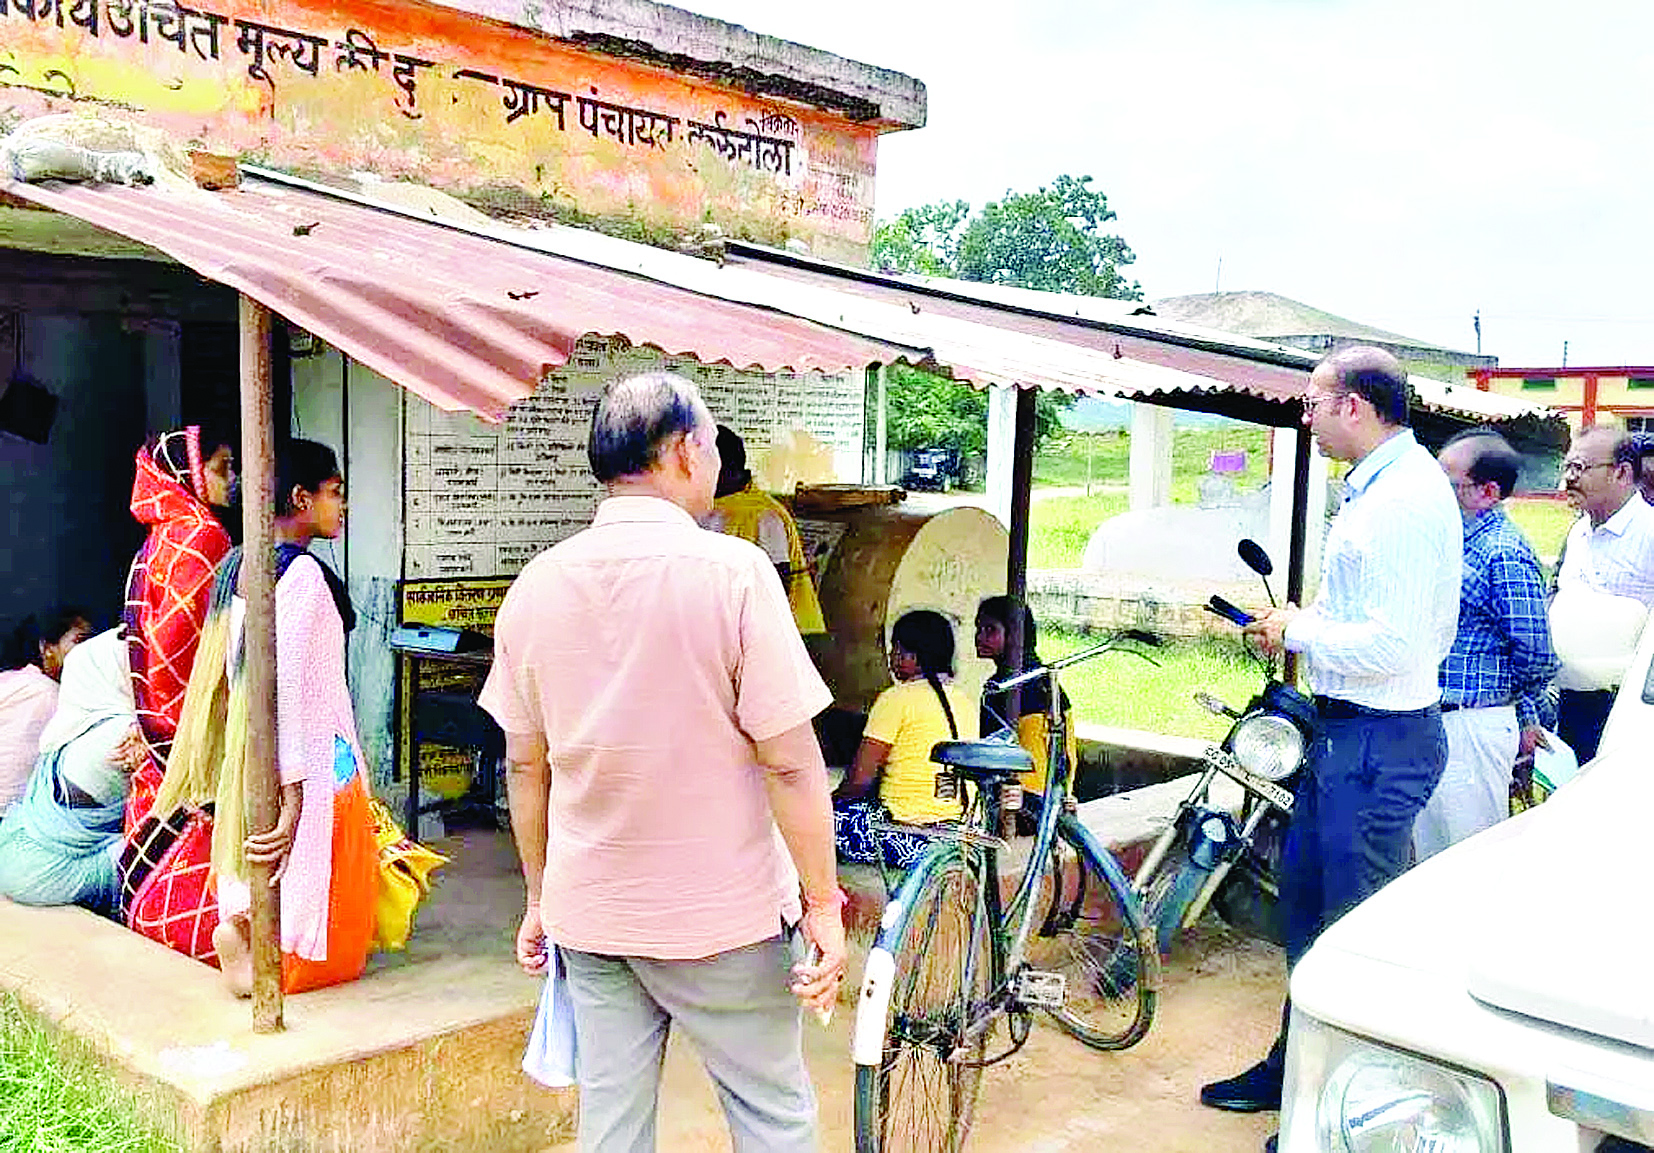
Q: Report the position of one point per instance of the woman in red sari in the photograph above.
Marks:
(182, 478)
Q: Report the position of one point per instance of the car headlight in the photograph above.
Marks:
(1374, 1099)
(1268, 745)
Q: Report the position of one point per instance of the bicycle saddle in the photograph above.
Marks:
(981, 760)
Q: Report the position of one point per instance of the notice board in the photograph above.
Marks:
(481, 500)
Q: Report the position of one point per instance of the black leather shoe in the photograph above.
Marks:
(1254, 1091)
(1271, 1143)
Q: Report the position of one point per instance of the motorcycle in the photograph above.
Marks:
(1209, 856)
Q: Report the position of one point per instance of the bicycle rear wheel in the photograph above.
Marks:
(928, 976)
(1092, 931)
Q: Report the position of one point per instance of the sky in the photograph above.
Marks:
(1403, 163)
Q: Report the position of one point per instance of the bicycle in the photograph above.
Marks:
(952, 962)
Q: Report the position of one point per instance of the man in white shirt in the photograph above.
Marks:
(1610, 549)
(1373, 639)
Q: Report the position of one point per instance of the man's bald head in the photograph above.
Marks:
(1372, 374)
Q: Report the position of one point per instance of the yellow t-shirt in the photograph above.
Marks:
(1034, 735)
(909, 718)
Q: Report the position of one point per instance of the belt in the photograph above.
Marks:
(1333, 709)
(1450, 707)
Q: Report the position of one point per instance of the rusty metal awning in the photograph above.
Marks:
(465, 321)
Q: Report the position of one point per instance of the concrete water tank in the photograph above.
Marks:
(879, 562)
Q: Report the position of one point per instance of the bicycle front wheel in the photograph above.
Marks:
(1091, 929)
(927, 981)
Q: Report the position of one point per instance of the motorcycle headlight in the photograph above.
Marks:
(1268, 745)
(1380, 1100)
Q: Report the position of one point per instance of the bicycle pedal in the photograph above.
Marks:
(1040, 990)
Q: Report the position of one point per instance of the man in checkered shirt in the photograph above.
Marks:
(1495, 674)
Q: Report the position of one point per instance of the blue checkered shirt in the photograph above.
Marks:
(1502, 652)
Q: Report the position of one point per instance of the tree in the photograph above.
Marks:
(1052, 239)
(927, 410)
(921, 240)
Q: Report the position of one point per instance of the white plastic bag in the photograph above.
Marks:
(551, 1055)
(35, 158)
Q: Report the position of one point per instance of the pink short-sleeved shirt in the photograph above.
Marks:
(651, 654)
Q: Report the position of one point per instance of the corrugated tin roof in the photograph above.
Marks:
(470, 314)
(1209, 363)
(459, 319)
(984, 355)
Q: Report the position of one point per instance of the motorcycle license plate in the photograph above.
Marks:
(1268, 790)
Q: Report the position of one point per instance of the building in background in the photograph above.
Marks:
(1586, 396)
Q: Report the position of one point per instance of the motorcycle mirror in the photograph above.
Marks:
(1256, 559)
(1214, 706)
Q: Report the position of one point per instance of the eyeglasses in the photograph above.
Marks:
(1313, 403)
(1580, 468)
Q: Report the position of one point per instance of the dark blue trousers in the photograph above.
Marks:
(1368, 776)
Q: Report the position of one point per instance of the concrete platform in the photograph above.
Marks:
(422, 1053)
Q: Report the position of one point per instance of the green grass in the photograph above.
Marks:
(1062, 459)
(53, 1100)
(1120, 690)
(1058, 528)
(1544, 522)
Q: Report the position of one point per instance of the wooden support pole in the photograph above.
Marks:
(258, 586)
(1016, 561)
(1298, 550)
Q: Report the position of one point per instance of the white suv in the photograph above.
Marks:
(1498, 998)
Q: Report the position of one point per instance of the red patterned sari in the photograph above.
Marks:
(167, 593)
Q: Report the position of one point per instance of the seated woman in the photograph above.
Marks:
(322, 845)
(30, 667)
(993, 618)
(893, 769)
(59, 843)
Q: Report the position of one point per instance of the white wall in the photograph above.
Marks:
(358, 413)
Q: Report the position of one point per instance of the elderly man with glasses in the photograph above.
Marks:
(1609, 550)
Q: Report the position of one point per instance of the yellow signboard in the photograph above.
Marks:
(465, 604)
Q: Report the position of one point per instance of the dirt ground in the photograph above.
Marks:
(1218, 1012)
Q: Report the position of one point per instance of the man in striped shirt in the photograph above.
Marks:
(1374, 638)
(1495, 675)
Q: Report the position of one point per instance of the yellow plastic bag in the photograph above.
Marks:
(405, 868)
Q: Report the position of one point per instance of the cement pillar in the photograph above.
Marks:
(1285, 442)
(1151, 456)
(881, 441)
(1002, 420)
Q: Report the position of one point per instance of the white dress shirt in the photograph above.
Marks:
(1615, 557)
(1389, 600)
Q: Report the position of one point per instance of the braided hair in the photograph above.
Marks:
(929, 637)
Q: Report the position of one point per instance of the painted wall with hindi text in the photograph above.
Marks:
(477, 107)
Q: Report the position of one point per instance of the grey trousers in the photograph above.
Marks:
(737, 1011)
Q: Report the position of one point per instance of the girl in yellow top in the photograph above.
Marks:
(993, 617)
(893, 762)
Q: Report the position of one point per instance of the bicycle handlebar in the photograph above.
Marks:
(1139, 635)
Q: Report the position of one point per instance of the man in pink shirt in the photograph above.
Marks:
(656, 700)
